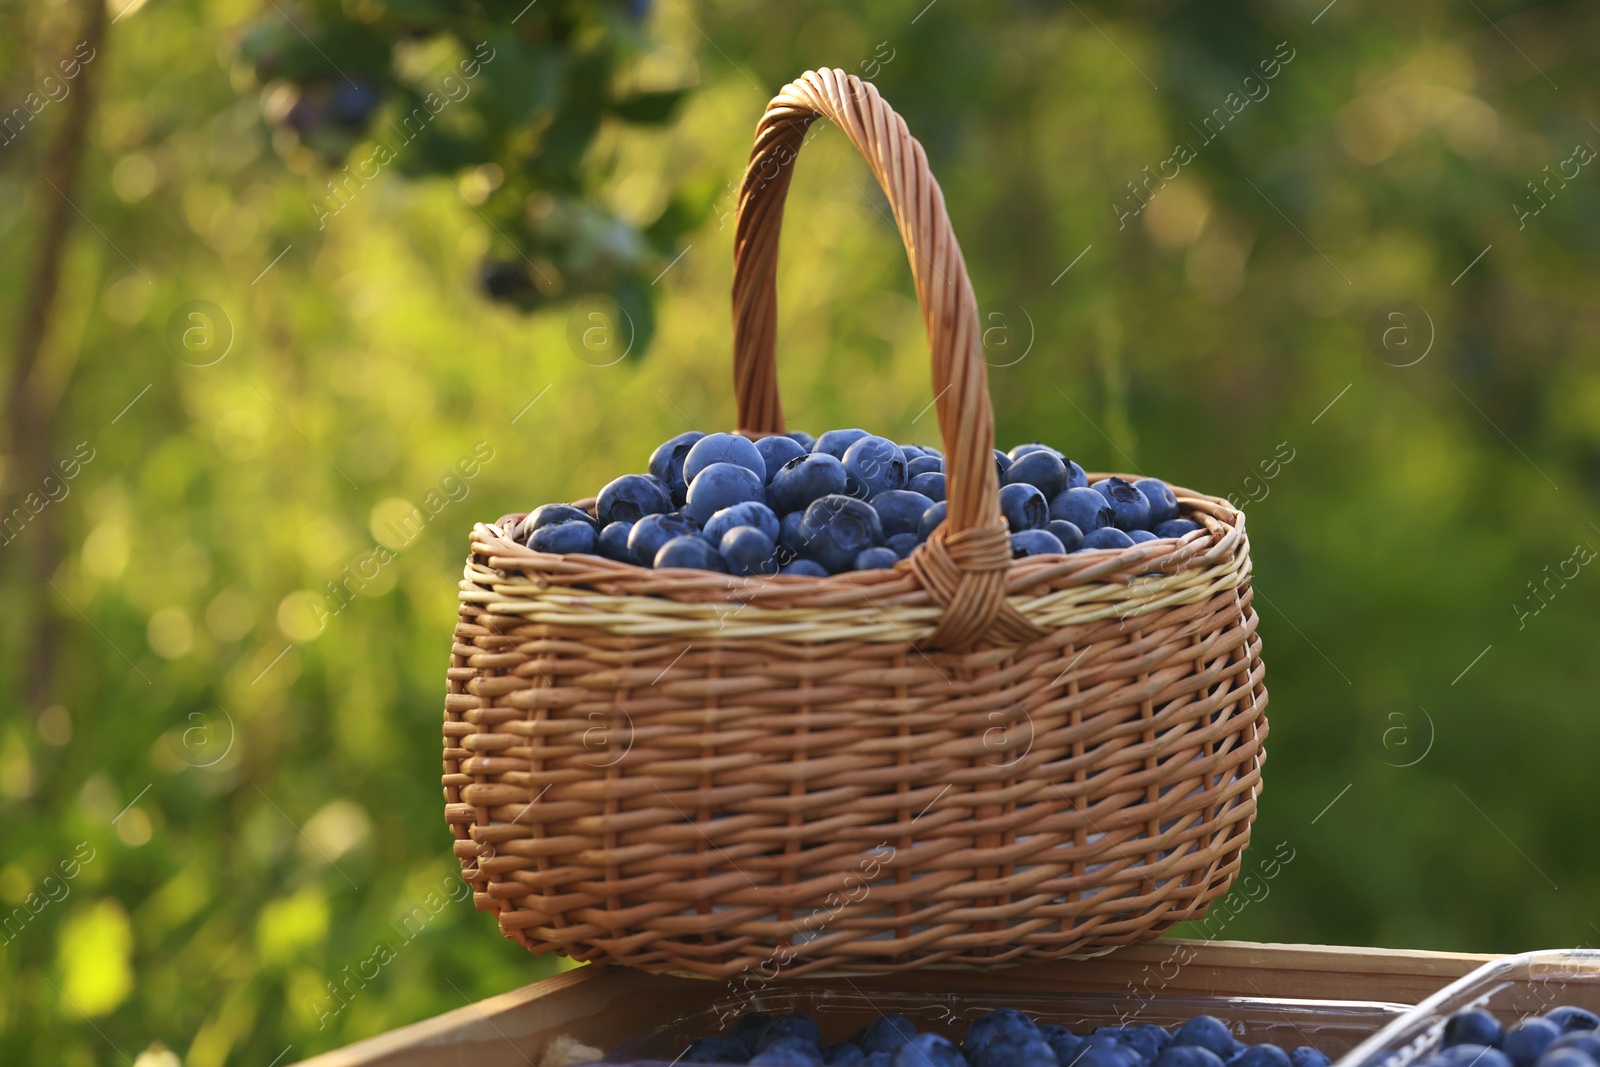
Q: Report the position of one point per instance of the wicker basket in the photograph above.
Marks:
(961, 761)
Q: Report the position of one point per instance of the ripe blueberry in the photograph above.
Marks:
(1306, 1056)
(1035, 543)
(836, 528)
(717, 1049)
(1139, 537)
(1527, 1040)
(885, 1033)
(748, 1027)
(747, 550)
(790, 1026)
(900, 510)
(550, 514)
(1002, 463)
(997, 1024)
(804, 568)
(1267, 1055)
(874, 465)
(803, 439)
(929, 484)
(564, 537)
(789, 539)
(613, 542)
(632, 497)
(1163, 501)
(902, 545)
(721, 485)
(1035, 446)
(1176, 528)
(750, 513)
(776, 451)
(924, 465)
(928, 1050)
(1107, 1054)
(1063, 1042)
(723, 448)
(1023, 506)
(1204, 1031)
(788, 1052)
(690, 551)
(930, 520)
(843, 1054)
(1129, 508)
(834, 442)
(1083, 507)
(1176, 1055)
(1070, 536)
(1044, 471)
(653, 531)
(874, 559)
(1570, 1018)
(1474, 1027)
(666, 463)
(804, 479)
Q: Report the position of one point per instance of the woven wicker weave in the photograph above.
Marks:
(963, 760)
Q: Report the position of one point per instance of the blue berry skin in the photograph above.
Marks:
(632, 497)
(900, 510)
(1148, 1038)
(789, 539)
(653, 531)
(549, 515)
(1176, 1055)
(1084, 508)
(1063, 1042)
(902, 545)
(1584, 1041)
(1129, 508)
(874, 465)
(1570, 1018)
(1002, 463)
(613, 542)
(1023, 506)
(877, 1059)
(924, 465)
(931, 519)
(788, 1052)
(748, 551)
(1204, 1031)
(719, 486)
(691, 551)
(1163, 501)
(776, 451)
(1139, 537)
(885, 1033)
(910, 452)
(564, 537)
(791, 1025)
(804, 479)
(930, 485)
(1482, 1056)
(1473, 1027)
(1035, 543)
(1306, 1056)
(804, 568)
(874, 559)
(1555, 1057)
(748, 1027)
(803, 439)
(1034, 446)
(1261, 1056)
(666, 463)
(1107, 1053)
(836, 529)
(843, 1054)
(716, 1049)
(1043, 470)
(1076, 478)
(835, 442)
(723, 448)
(1002, 1023)
(1527, 1040)
(748, 514)
(1070, 536)
(1176, 528)
(928, 1050)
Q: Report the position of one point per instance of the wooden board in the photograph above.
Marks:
(603, 1006)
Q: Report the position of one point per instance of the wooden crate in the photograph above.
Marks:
(603, 1006)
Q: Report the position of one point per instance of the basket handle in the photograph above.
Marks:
(963, 565)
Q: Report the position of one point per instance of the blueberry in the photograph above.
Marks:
(1002, 462)
(1261, 1056)
(843, 1054)
(1176, 528)
(632, 497)
(1109, 1053)
(1473, 1027)
(887, 1032)
(717, 1049)
(1570, 1018)
(902, 545)
(1584, 1041)
(801, 438)
(804, 568)
(1076, 478)
(1148, 1038)
(1070, 536)
(874, 559)
(788, 1052)
(1020, 1050)
(1083, 507)
(1473, 1056)
(930, 485)
(1176, 1055)
(1139, 537)
(690, 551)
(930, 520)
(613, 542)
(563, 537)
(874, 465)
(723, 448)
(1306, 1056)
(1023, 506)
(910, 452)
(1204, 1031)
(1527, 1040)
(1107, 537)
(877, 1059)
(549, 515)
(835, 442)
(1063, 1042)
(776, 451)
(928, 1050)
(747, 550)
(789, 539)
(790, 1026)
(721, 485)
(749, 513)
(1044, 471)
(836, 528)
(748, 1027)
(1035, 446)
(804, 479)
(900, 510)
(924, 465)
(1035, 543)
(1130, 510)
(1163, 501)
(1555, 1057)
(1002, 1022)
(653, 531)
(666, 463)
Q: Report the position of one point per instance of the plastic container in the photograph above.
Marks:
(1513, 987)
(1335, 1027)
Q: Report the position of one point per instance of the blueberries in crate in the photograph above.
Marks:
(1475, 1027)
(1526, 1041)
(1570, 1019)
(885, 1033)
(1207, 1032)
(880, 501)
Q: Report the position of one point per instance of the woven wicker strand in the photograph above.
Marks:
(965, 760)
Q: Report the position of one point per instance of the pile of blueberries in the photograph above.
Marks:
(1561, 1037)
(1003, 1038)
(845, 501)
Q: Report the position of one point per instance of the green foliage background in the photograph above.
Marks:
(285, 813)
